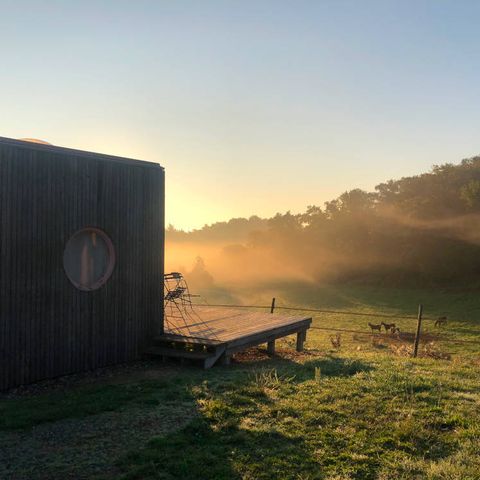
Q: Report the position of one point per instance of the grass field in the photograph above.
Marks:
(360, 412)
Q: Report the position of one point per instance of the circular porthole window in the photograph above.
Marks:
(89, 258)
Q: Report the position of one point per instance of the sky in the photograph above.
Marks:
(252, 107)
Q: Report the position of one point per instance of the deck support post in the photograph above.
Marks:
(271, 348)
(301, 337)
(225, 359)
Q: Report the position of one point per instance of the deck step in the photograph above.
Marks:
(208, 358)
(168, 342)
(178, 352)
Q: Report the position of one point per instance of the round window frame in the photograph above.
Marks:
(112, 259)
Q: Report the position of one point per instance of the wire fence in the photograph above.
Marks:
(316, 310)
(274, 307)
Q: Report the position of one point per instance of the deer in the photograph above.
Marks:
(336, 340)
(395, 331)
(375, 327)
(441, 321)
(388, 326)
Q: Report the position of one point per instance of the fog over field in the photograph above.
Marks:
(416, 231)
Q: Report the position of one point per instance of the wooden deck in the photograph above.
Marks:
(213, 334)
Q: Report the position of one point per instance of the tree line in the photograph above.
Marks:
(419, 230)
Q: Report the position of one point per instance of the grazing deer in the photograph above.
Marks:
(375, 327)
(388, 326)
(440, 321)
(395, 331)
(336, 340)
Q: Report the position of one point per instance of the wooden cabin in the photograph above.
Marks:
(81, 260)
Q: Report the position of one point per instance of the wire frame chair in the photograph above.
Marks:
(177, 295)
(179, 310)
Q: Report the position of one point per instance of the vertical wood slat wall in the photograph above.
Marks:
(48, 327)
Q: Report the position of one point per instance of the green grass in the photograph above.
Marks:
(357, 413)
(81, 402)
(376, 418)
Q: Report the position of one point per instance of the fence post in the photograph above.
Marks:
(273, 305)
(419, 326)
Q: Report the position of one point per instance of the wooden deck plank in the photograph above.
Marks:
(226, 325)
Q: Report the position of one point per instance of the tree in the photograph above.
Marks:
(470, 194)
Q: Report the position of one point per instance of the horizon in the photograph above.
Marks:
(252, 109)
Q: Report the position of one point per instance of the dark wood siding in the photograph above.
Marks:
(47, 326)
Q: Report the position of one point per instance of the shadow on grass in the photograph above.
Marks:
(222, 441)
(17, 414)
(329, 365)
(204, 450)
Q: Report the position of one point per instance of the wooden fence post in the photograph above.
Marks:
(273, 305)
(419, 326)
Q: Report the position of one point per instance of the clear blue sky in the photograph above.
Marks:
(253, 107)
